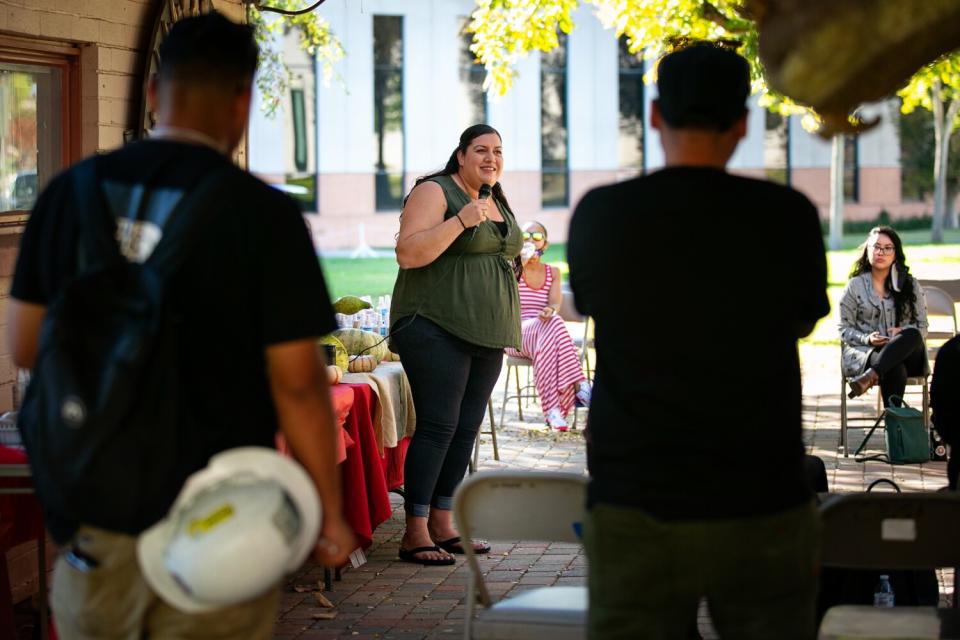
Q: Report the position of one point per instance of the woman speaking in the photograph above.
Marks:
(455, 308)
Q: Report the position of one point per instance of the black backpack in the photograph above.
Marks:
(104, 420)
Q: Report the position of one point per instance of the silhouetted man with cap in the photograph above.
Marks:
(694, 439)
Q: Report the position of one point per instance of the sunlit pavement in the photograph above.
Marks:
(385, 598)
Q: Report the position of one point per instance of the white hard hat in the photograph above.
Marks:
(237, 527)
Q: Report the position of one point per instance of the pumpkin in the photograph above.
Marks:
(334, 374)
(342, 355)
(393, 357)
(362, 364)
(357, 341)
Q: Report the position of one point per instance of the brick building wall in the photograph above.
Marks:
(108, 34)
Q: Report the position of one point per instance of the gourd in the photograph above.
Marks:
(334, 374)
(357, 341)
(392, 357)
(349, 305)
(342, 355)
(362, 364)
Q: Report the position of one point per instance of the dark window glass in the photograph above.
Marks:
(299, 130)
(472, 106)
(555, 175)
(851, 173)
(776, 147)
(630, 140)
(388, 110)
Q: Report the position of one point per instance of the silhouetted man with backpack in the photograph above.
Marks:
(168, 303)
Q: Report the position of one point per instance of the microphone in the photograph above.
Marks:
(484, 192)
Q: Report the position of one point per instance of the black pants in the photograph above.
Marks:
(899, 359)
(451, 381)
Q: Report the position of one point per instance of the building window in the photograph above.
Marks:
(555, 176)
(916, 154)
(851, 173)
(39, 121)
(299, 130)
(630, 140)
(776, 147)
(472, 99)
(388, 111)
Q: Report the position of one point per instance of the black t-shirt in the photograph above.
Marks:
(698, 281)
(252, 280)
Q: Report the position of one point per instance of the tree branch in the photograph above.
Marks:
(288, 12)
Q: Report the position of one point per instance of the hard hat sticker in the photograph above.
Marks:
(200, 526)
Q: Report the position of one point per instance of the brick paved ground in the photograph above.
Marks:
(386, 598)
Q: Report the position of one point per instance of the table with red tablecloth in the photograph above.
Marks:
(366, 503)
(21, 520)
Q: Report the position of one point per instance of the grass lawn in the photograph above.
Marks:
(375, 276)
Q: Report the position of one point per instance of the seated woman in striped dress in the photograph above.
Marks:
(544, 336)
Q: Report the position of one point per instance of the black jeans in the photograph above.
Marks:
(900, 358)
(451, 381)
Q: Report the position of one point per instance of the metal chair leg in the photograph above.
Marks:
(493, 431)
(506, 394)
(516, 375)
(843, 416)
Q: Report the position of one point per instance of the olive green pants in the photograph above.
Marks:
(647, 576)
(112, 600)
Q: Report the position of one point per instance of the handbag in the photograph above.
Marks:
(907, 439)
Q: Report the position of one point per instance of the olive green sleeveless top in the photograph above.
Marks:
(470, 290)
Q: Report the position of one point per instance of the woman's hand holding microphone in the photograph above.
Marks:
(477, 211)
(474, 213)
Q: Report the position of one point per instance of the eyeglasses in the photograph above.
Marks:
(884, 249)
(536, 236)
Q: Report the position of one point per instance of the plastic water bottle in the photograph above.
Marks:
(384, 316)
(883, 595)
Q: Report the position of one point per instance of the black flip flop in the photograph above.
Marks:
(452, 545)
(410, 555)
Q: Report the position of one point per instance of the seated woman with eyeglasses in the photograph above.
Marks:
(883, 319)
(544, 336)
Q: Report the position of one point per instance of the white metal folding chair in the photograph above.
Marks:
(890, 531)
(522, 505)
(942, 316)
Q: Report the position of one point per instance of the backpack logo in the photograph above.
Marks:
(73, 411)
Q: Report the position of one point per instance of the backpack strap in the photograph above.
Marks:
(98, 245)
(191, 215)
(878, 456)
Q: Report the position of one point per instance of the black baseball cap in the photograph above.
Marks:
(702, 86)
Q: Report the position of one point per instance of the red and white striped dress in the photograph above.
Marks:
(556, 367)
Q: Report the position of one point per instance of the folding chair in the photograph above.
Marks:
(493, 438)
(942, 315)
(568, 311)
(525, 392)
(522, 505)
(891, 531)
(846, 420)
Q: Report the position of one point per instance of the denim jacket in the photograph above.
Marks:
(862, 312)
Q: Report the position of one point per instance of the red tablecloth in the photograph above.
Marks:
(341, 397)
(21, 518)
(365, 500)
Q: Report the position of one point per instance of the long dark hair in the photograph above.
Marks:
(470, 134)
(453, 164)
(904, 300)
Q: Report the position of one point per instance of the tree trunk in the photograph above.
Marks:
(836, 193)
(943, 119)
